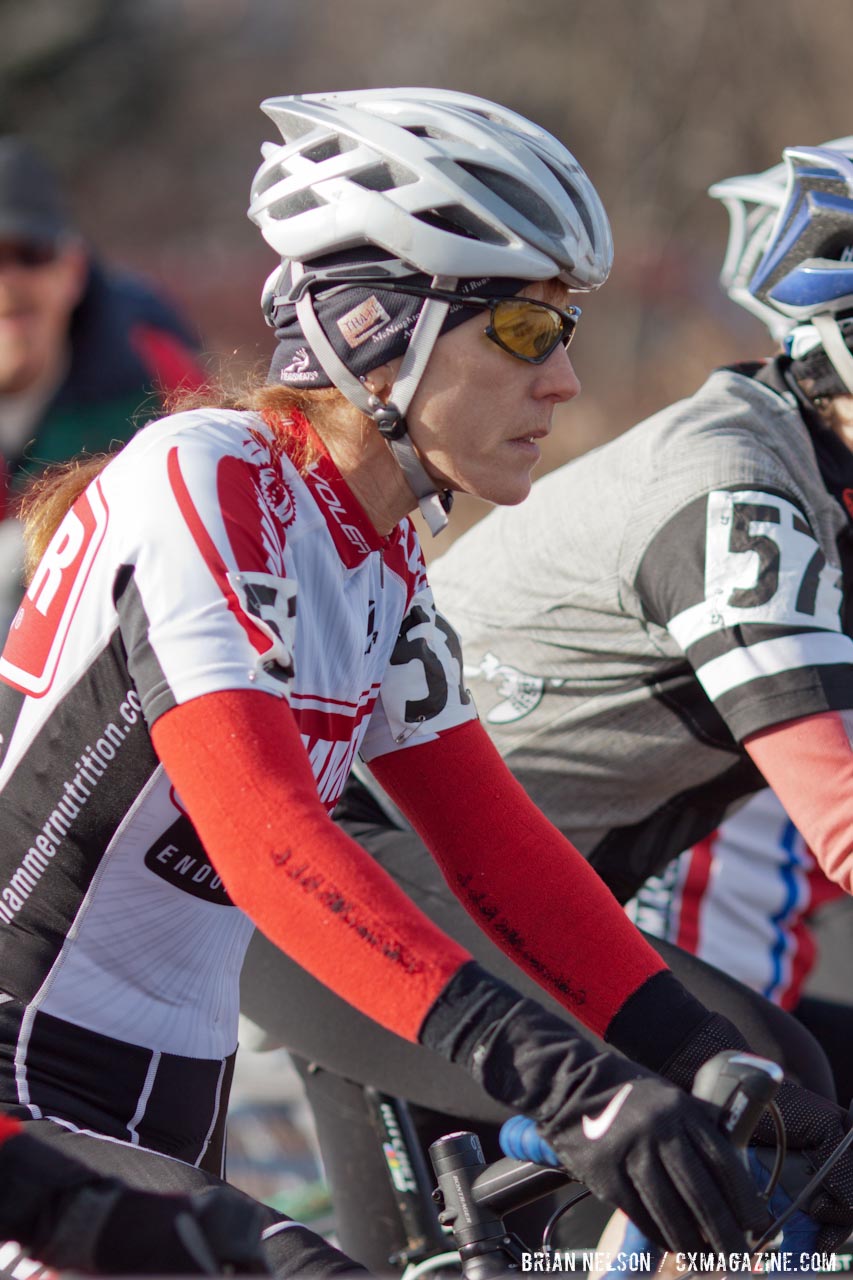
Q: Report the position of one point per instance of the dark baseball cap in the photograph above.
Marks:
(32, 206)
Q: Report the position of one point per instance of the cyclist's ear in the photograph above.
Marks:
(380, 380)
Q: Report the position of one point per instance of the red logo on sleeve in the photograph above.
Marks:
(38, 633)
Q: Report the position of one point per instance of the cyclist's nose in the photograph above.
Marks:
(557, 380)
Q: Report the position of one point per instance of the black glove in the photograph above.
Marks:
(813, 1125)
(634, 1140)
(70, 1217)
(209, 1232)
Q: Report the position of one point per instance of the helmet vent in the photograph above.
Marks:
(384, 177)
(516, 195)
(579, 205)
(264, 181)
(836, 246)
(290, 206)
(326, 149)
(461, 221)
(429, 131)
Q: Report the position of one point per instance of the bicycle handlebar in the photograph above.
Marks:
(521, 1140)
(472, 1195)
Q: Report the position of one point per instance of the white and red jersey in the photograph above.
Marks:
(741, 900)
(199, 561)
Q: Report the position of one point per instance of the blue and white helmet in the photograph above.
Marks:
(790, 253)
(752, 201)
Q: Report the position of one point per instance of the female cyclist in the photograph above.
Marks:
(236, 604)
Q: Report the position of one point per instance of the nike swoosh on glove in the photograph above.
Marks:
(813, 1126)
(635, 1140)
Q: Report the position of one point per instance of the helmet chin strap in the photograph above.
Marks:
(390, 415)
(832, 341)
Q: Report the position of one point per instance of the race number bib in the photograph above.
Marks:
(423, 691)
(762, 566)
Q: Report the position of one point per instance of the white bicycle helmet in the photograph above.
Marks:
(449, 185)
(789, 254)
(752, 202)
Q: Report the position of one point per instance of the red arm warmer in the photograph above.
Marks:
(521, 880)
(239, 765)
(809, 764)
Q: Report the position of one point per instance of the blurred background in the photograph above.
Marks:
(148, 109)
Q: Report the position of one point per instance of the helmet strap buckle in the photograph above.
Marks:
(388, 418)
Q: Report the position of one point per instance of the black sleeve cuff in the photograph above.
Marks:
(471, 1004)
(656, 1021)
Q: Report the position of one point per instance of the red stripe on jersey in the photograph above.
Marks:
(693, 890)
(210, 554)
(9, 1127)
(802, 963)
(400, 559)
(350, 528)
(821, 891)
(336, 702)
(256, 536)
(329, 725)
(352, 533)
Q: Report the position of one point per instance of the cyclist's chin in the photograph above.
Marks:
(506, 484)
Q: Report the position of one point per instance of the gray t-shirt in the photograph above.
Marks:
(651, 605)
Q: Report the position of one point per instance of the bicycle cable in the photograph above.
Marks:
(803, 1197)
(781, 1149)
(557, 1215)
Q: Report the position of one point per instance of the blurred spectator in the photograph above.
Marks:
(86, 353)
